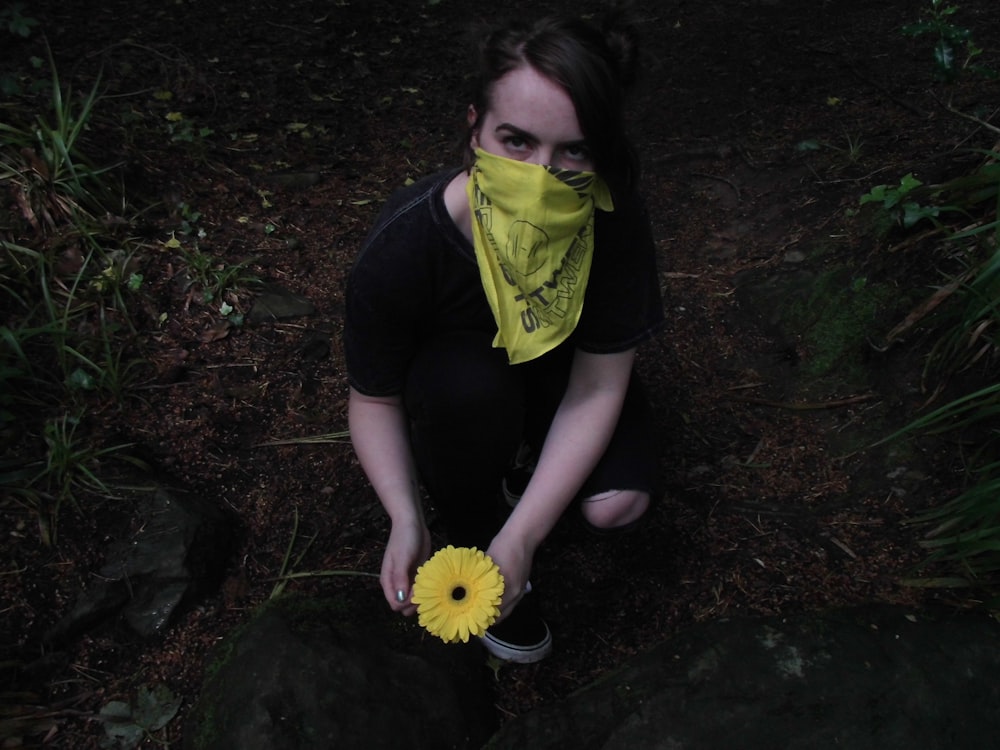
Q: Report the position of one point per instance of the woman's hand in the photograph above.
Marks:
(578, 436)
(514, 559)
(408, 547)
(381, 440)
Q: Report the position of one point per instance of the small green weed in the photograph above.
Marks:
(18, 24)
(208, 277)
(69, 468)
(68, 325)
(183, 130)
(55, 182)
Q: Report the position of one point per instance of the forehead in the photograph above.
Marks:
(528, 100)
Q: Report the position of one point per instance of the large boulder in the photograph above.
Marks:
(318, 674)
(865, 679)
(309, 674)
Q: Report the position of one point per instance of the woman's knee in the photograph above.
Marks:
(615, 509)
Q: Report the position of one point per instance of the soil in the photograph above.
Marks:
(760, 123)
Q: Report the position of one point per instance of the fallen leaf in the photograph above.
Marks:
(216, 332)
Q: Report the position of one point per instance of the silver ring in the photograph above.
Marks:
(401, 596)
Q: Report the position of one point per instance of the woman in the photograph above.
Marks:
(498, 307)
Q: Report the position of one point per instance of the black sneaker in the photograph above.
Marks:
(523, 637)
(515, 481)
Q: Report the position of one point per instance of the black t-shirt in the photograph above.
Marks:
(416, 276)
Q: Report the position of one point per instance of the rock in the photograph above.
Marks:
(866, 679)
(278, 303)
(177, 555)
(328, 673)
(321, 673)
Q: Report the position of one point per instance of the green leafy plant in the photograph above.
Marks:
(211, 277)
(911, 201)
(899, 201)
(12, 16)
(953, 50)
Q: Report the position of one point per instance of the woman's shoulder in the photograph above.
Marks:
(415, 192)
(413, 226)
(411, 208)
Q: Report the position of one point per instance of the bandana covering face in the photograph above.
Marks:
(533, 233)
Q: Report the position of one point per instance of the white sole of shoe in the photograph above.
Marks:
(518, 654)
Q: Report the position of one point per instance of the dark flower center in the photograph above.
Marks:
(458, 593)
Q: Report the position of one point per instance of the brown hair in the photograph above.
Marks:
(595, 65)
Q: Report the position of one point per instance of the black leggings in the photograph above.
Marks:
(469, 411)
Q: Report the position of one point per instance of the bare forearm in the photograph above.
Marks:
(577, 438)
(380, 437)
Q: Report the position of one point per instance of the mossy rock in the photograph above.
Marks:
(310, 672)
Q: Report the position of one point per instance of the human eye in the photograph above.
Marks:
(578, 154)
(516, 144)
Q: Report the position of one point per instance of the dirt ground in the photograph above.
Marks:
(299, 118)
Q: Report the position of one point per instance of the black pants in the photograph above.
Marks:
(469, 411)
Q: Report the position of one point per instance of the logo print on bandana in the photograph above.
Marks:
(526, 248)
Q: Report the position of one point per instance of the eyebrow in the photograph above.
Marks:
(513, 129)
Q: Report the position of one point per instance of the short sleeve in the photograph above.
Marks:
(623, 306)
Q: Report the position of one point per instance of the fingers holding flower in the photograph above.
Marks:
(408, 546)
(515, 564)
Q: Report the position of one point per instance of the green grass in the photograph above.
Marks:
(963, 534)
(67, 286)
(70, 279)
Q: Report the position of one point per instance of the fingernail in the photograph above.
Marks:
(401, 596)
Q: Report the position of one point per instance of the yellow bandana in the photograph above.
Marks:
(533, 232)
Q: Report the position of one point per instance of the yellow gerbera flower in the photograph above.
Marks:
(457, 593)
